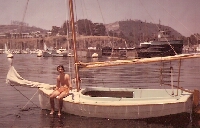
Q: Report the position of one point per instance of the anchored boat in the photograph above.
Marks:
(115, 103)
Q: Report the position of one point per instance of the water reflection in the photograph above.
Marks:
(67, 120)
(143, 75)
(135, 76)
(10, 61)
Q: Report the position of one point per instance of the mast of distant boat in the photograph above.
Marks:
(74, 44)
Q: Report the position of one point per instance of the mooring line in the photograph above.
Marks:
(30, 100)
(25, 96)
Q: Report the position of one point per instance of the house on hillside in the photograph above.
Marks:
(2, 36)
(49, 33)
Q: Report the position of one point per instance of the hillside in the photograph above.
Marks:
(18, 29)
(130, 29)
(133, 31)
(139, 31)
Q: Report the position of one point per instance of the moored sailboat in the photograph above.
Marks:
(8, 53)
(114, 103)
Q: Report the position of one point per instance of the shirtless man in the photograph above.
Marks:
(62, 89)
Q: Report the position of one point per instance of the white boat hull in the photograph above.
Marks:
(39, 55)
(10, 55)
(112, 103)
(95, 55)
(122, 108)
(51, 54)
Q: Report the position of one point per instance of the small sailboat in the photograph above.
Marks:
(95, 55)
(7, 52)
(50, 52)
(115, 103)
(39, 53)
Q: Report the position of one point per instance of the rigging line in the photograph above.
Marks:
(107, 32)
(24, 15)
(101, 12)
(67, 19)
(161, 72)
(76, 27)
(67, 24)
(157, 26)
(102, 15)
(87, 17)
(179, 72)
(70, 71)
(149, 14)
(30, 99)
(176, 19)
(23, 95)
(84, 16)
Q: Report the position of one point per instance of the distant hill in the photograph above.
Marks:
(133, 31)
(18, 29)
(138, 30)
(129, 28)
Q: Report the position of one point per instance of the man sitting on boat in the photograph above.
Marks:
(62, 89)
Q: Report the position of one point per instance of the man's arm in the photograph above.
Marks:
(69, 82)
(57, 84)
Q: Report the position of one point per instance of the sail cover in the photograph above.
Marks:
(14, 79)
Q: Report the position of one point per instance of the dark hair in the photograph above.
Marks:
(61, 66)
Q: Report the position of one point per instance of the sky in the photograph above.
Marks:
(181, 15)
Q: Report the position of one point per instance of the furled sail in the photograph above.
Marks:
(14, 79)
(137, 61)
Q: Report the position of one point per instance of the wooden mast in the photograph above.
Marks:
(74, 44)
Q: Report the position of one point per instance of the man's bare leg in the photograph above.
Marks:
(53, 95)
(60, 98)
(52, 105)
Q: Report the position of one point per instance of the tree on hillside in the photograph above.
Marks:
(65, 27)
(112, 33)
(121, 35)
(84, 27)
(99, 29)
(55, 30)
(193, 39)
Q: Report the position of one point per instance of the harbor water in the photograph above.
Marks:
(19, 107)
